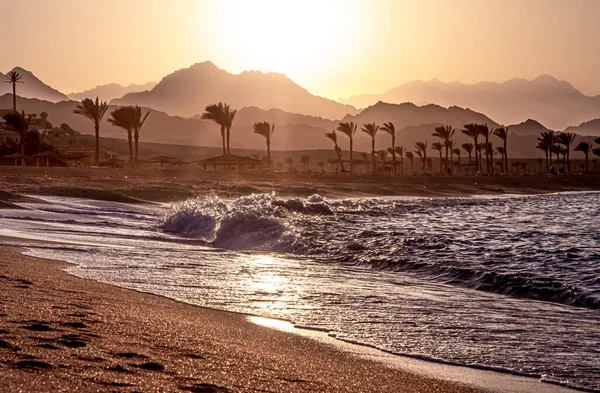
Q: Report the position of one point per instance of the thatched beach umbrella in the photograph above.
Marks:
(16, 156)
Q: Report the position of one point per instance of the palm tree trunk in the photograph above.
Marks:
(268, 154)
(569, 158)
(351, 160)
(505, 157)
(137, 138)
(394, 152)
(373, 154)
(223, 138)
(15, 97)
(228, 150)
(22, 149)
(97, 152)
(129, 139)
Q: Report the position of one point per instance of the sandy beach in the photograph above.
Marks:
(62, 333)
(123, 185)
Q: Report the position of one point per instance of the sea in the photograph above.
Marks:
(506, 283)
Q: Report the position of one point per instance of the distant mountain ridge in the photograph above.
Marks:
(188, 91)
(552, 102)
(32, 87)
(111, 91)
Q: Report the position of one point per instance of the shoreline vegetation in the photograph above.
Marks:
(60, 332)
(138, 186)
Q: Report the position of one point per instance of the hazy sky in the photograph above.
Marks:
(333, 48)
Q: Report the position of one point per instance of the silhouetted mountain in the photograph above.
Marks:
(553, 102)
(111, 91)
(529, 127)
(188, 91)
(591, 127)
(32, 87)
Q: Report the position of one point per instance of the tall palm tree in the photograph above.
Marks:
(138, 123)
(349, 129)
(94, 111)
(548, 138)
(399, 150)
(391, 129)
(445, 134)
(13, 78)
(44, 120)
(371, 130)
(484, 131)
(543, 146)
(266, 130)
(585, 148)
(125, 117)
(438, 146)
(457, 152)
(338, 151)
(502, 133)
(468, 147)
(411, 158)
(422, 152)
(18, 122)
(230, 115)
(382, 155)
(567, 139)
(219, 114)
(471, 130)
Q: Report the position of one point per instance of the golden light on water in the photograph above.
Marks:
(272, 323)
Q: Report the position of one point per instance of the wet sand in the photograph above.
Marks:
(62, 333)
(131, 186)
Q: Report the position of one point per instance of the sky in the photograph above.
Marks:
(333, 48)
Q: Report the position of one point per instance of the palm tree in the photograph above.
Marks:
(44, 120)
(411, 157)
(391, 129)
(457, 152)
(468, 147)
(484, 131)
(596, 152)
(230, 115)
(125, 117)
(399, 150)
(502, 133)
(567, 139)
(382, 155)
(585, 148)
(438, 146)
(13, 78)
(305, 160)
(543, 147)
(94, 111)
(371, 130)
(338, 151)
(445, 134)
(349, 129)
(266, 130)
(471, 131)
(422, 152)
(219, 113)
(138, 123)
(548, 138)
(19, 123)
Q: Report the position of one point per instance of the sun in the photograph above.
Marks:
(298, 38)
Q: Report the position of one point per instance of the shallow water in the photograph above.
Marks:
(507, 283)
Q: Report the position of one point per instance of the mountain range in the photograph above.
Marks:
(111, 91)
(554, 103)
(188, 91)
(31, 87)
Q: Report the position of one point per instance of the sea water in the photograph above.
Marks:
(506, 283)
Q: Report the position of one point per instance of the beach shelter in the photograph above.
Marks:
(48, 155)
(229, 160)
(16, 156)
(162, 160)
